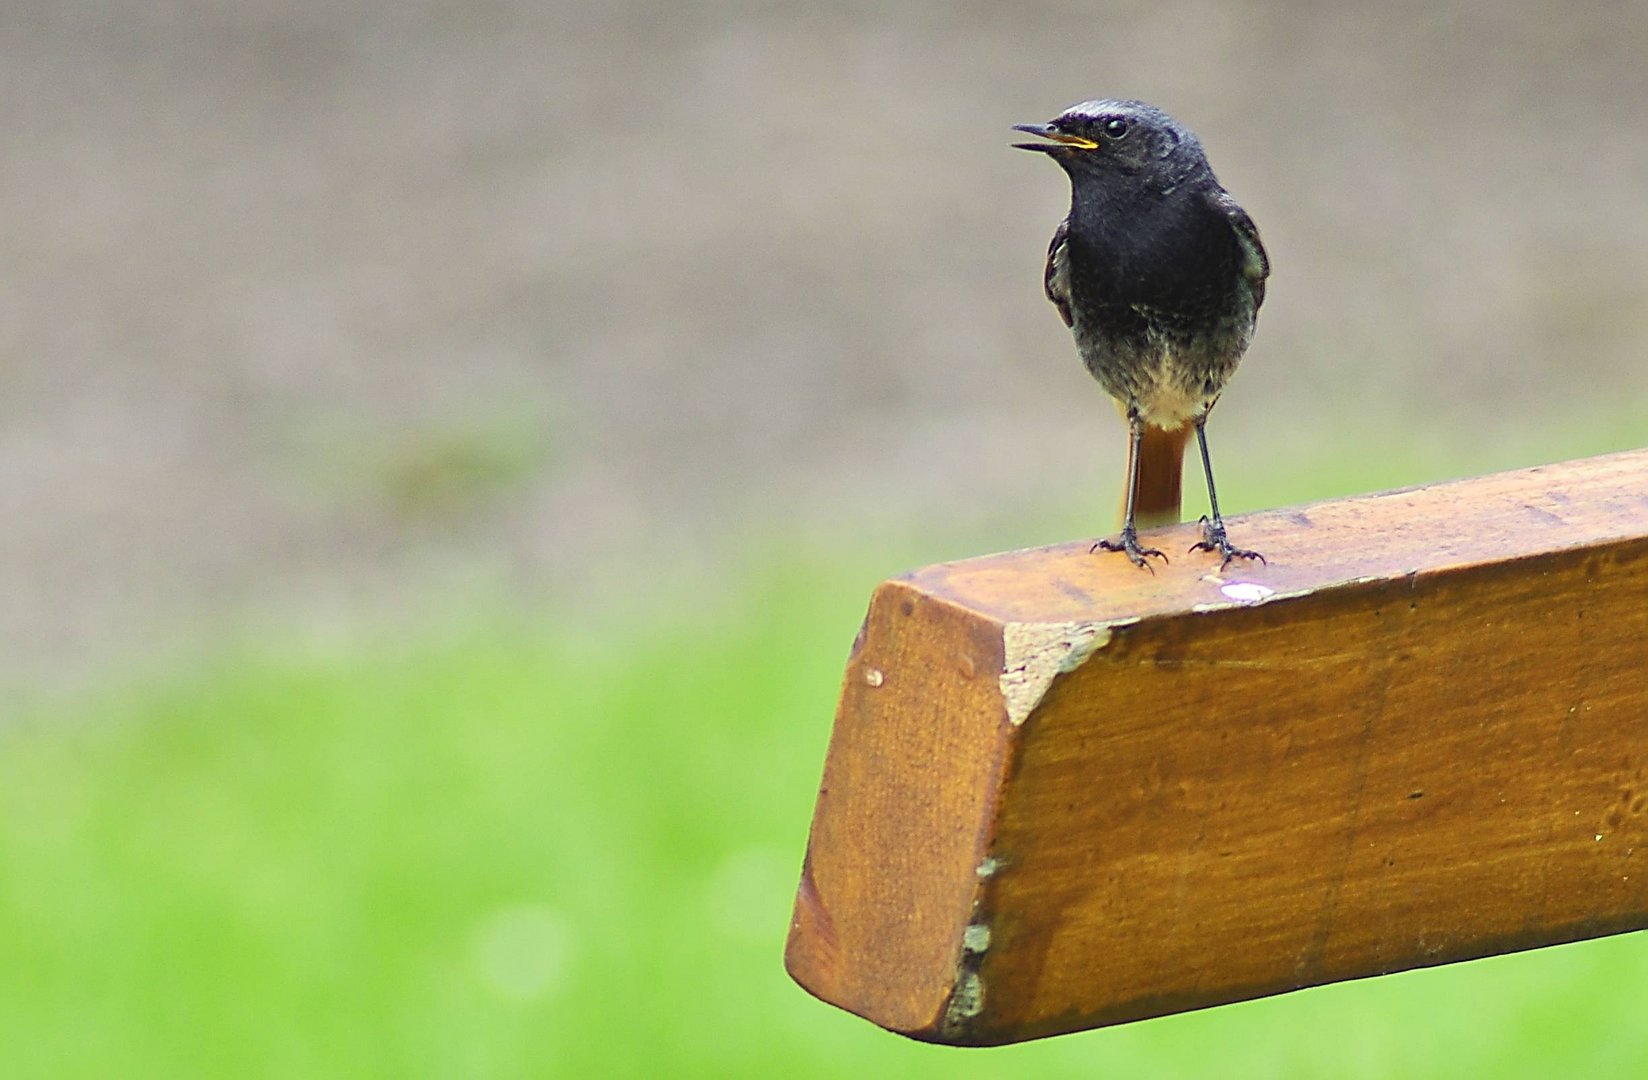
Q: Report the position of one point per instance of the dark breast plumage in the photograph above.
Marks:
(1161, 296)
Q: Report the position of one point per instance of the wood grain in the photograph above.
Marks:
(1062, 792)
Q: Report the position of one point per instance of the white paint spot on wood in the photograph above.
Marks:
(1247, 592)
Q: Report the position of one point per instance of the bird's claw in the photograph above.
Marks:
(1214, 539)
(1128, 544)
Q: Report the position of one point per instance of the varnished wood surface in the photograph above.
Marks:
(1062, 792)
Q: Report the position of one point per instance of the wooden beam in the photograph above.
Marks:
(1062, 792)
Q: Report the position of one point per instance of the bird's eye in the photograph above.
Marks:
(1115, 127)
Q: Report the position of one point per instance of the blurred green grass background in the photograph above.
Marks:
(499, 844)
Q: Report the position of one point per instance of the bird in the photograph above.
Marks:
(1159, 274)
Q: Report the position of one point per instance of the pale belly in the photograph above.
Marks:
(1167, 386)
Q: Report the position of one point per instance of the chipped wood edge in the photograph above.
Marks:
(1034, 654)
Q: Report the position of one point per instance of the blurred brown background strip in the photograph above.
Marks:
(312, 300)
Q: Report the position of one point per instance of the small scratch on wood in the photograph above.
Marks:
(1543, 515)
(1291, 663)
(1034, 654)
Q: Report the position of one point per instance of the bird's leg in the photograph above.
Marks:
(1128, 541)
(1213, 532)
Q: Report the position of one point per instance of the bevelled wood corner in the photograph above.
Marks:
(1062, 792)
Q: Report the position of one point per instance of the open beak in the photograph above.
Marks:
(1060, 140)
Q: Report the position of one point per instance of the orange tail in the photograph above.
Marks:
(1161, 472)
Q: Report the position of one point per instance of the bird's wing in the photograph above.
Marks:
(1056, 277)
(1255, 263)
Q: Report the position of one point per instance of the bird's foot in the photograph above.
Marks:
(1214, 539)
(1128, 544)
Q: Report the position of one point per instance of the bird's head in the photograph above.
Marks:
(1116, 138)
